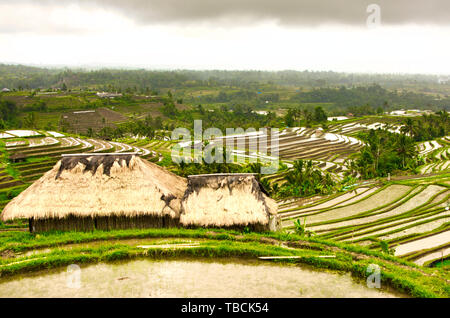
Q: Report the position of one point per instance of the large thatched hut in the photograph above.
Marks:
(231, 201)
(100, 191)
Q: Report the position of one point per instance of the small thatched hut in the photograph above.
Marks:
(231, 201)
(104, 191)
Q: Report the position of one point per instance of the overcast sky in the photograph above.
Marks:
(411, 36)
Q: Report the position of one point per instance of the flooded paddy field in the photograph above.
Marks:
(188, 278)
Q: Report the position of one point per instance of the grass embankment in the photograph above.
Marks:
(11, 184)
(24, 252)
(443, 264)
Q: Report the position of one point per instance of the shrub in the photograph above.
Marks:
(300, 229)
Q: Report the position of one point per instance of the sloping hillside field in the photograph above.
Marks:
(412, 217)
(400, 227)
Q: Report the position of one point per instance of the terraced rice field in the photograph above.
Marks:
(327, 150)
(80, 121)
(327, 214)
(364, 124)
(296, 143)
(156, 149)
(436, 154)
(412, 217)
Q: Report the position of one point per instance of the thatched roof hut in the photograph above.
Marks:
(229, 201)
(104, 191)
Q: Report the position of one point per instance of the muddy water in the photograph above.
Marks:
(187, 278)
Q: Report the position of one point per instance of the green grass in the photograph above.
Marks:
(11, 193)
(400, 274)
(13, 172)
(444, 264)
(166, 161)
(37, 160)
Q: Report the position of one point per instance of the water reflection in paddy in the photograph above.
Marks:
(188, 278)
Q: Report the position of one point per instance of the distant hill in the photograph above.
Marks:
(27, 77)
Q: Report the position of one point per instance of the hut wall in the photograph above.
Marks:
(138, 222)
(257, 227)
(70, 223)
(86, 224)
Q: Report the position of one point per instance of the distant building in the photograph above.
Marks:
(398, 112)
(261, 112)
(319, 132)
(443, 80)
(337, 118)
(108, 95)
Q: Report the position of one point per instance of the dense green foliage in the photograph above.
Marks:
(427, 127)
(373, 95)
(303, 179)
(384, 152)
(342, 93)
(143, 128)
(226, 166)
(19, 76)
(304, 117)
(8, 113)
(224, 117)
(220, 98)
(186, 169)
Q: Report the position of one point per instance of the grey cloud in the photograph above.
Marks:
(285, 12)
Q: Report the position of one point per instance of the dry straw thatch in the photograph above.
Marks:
(100, 186)
(228, 200)
(118, 191)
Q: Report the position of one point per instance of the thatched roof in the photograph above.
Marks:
(227, 200)
(100, 185)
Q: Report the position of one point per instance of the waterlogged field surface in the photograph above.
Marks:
(187, 278)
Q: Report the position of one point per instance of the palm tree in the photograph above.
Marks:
(408, 128)
(405, 148)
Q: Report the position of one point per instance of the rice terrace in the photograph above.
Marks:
(84, 200)
(218, 151)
